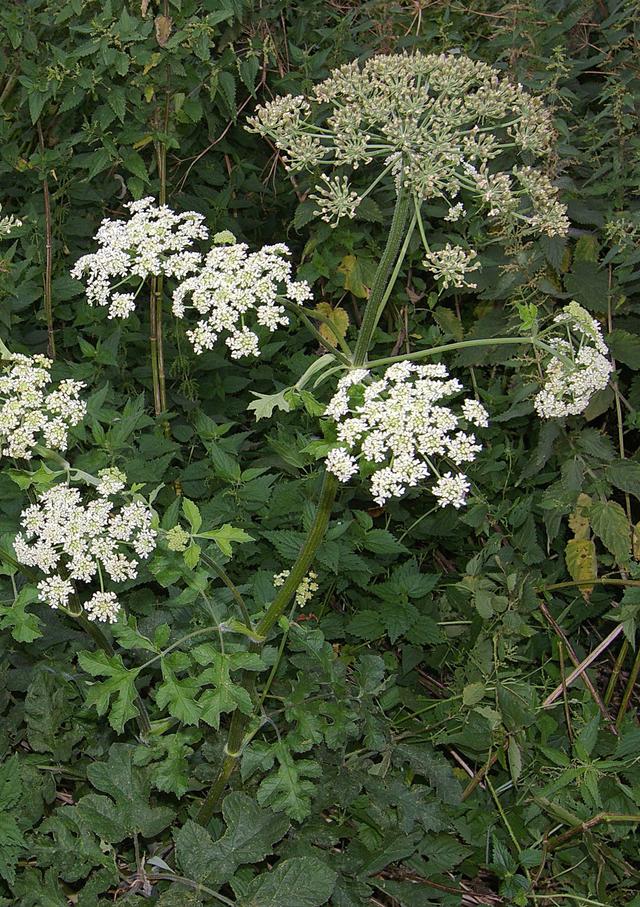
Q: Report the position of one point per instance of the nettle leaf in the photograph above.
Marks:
(118, 691)
(582, 563)
(625, 475)
(251, 835)
(192, 513)
(625, 347)
(288, 788)
(126, 811)
(298, 882)
(611, 525)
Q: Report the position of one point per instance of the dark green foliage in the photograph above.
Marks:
(426, 658)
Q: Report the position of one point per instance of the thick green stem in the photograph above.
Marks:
(394, 243)
(239, 722)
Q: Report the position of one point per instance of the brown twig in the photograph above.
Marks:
(48, 295)
(583, 673)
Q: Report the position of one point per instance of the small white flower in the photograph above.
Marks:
(305, 591)
(450, 489)
(571, 381)
(66, 537)
(341, 464)
(32, 410)
(475, 413)
(399, 423)
(111, 481)
(103, 606)
(451, 265)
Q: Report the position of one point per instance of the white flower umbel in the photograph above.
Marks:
(571, 381)
(234, 292)
(33, 410)
(154, 241)
(398, 429)
(451, 265)
(305, 591)
(441, 126)
(73, 541)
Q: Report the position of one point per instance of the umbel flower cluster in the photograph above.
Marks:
(396, 428)
(236, 290)
(33, 410)
(581, 368)
(305, 591)
(445, 127)
(72, 541)
(154, 241)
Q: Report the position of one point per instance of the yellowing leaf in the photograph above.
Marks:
(636, 542)
(339, 319)
(579, 520)
(163, 26)
(149, 93)
(350, 268)
(582, 564)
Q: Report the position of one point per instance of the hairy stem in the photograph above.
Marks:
(394, 242)
(239, 722)
(155, 340)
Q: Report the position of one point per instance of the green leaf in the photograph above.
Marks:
(609, 522)
(250, 836)
(225, 536)
(24, 626)
(179, 695)
(625, 347)
(264, 404)
(381, 541)
(120, 686)
(192, 513)
(126, 810)
(226, 696)
(625, 475)
(298, 882)
(288, 788)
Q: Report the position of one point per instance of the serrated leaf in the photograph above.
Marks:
(579, 519)
(289, 789)
(625, 475)
(264, 404)
(126, 809)
(118, 691)
(250, 836)
(298, 882)
(609, 522)
(225, 536)
(226, 696)
(192, 513)
(625, 348)
(582, 563)
(179, 695)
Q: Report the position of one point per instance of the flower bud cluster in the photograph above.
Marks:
(393, 430)
(233, 287)
(305, 591)
(154, 241)
(441, 124)
(73, 541)
(581, 368)
(451, 265)
(32, 411)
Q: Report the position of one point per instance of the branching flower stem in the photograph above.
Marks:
(330, 484)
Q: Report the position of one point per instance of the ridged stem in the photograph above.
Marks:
(330, 484)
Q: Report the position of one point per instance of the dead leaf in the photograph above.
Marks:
(163, 24)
